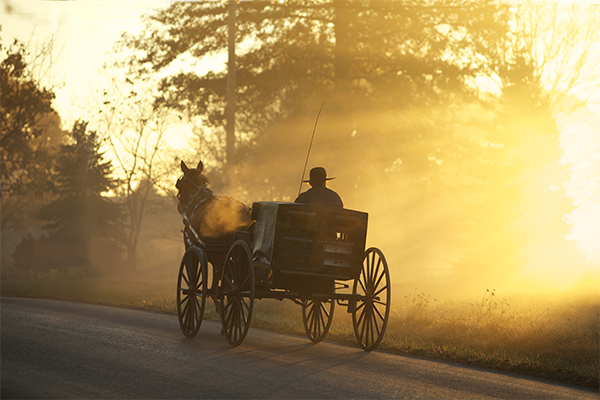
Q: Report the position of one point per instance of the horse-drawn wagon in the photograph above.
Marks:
(312, 255)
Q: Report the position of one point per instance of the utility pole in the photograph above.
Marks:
(230, 108)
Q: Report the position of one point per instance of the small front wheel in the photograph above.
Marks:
(370, 316)
(236, 292)
(317, 316)
(191, 290)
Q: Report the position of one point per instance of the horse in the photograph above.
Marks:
(208, 218)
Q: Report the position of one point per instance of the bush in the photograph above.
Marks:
(46, 255)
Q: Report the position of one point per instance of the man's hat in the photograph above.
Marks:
(318, 174)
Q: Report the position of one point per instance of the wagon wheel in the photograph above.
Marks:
(317, 316)
(236, 292)
(191, 290)
(370, 316)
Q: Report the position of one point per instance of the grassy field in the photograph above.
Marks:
(544, 336)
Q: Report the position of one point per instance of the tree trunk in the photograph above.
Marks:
(131, 258)
(342, 68)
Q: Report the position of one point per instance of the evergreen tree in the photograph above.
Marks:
(80, 212)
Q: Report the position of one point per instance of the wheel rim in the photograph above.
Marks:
(191, 291)
(236, 292)
(370, 316)
(317, 316)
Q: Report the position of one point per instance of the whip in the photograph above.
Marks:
(309, 147)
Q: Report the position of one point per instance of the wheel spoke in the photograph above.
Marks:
(184, 278)
(322, 315)
(244, 283)
(376, 285)
(230, 312)
(362, 304)
(381, 290)
(369, 276)
(311, 311)
(361, 317)
(311, 322)
(362, 285)
(324, 310)
(184, 299)
(197, 303)
(372, 266)
(378, 312)
(378, 326)
(372, 323)
(228, 304)
(186, 306)
(242, 312)
(238, 320)
(190, 316)
(199, 283)
(375, 281)
(229, 282)
(363, 325)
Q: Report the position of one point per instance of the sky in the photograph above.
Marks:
(85, 31)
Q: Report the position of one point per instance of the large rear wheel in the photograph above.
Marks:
(236, 292)
(371, 314)
(191, 290)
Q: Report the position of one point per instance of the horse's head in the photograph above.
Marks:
(190, 183)
(210, 216)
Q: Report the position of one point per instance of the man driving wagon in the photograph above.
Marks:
(319, 193)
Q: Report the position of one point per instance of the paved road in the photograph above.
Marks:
(57, 349)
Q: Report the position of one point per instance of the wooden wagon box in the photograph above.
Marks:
(310, 241)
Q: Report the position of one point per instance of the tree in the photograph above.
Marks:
(563, 49)
(80, 211)
(518, 226)
(393, 75)
(81, 223)
(29, 127)
(134, 129)
(370, 61)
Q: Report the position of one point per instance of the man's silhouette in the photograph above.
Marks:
(319, 193)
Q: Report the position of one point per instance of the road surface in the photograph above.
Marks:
(58, 349)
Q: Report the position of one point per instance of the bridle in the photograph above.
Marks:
(202, 194)
(194, 202)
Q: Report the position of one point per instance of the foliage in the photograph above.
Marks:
(369, 61)
(80, 211)
(29, 127)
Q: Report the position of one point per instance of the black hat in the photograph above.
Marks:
(318, 174)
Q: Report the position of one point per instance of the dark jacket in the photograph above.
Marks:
(320, 195)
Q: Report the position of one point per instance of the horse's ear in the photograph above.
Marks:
(184, 168)
(200, 166)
